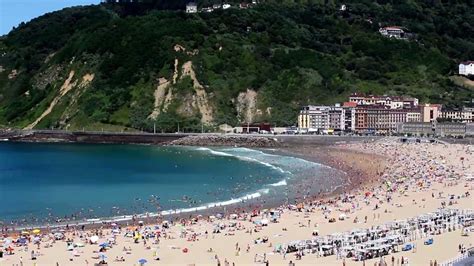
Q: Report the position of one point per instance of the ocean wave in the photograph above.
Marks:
(243, 149)
(243, 158)
(124, 218)
(292, 158)
(211, 205)
(214, 152)
(279, 184)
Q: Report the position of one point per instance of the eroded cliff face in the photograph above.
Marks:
(72, 86)
(246, 105)
(162, 96)
(65, 84)
(197, 101)
(200, 98)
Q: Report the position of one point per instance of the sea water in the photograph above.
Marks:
(52, 182)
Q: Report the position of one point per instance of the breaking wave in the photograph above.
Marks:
(279, 184)
(244, 158)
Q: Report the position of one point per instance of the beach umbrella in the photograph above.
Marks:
(142, 261)
(36, 231)
(94, 239)
(79, 245)
(58, 236)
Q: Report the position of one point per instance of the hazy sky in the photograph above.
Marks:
(13, 12)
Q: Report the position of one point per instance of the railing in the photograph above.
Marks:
(465, 255)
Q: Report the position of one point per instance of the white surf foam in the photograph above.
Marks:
(218, 204)
(243, 158)
(279, 184)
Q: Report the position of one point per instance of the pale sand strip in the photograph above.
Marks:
(224, 247)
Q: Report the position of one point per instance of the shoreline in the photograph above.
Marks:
(245, 203)
(360, 174)
(434, 179)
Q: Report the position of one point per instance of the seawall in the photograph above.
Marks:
(88, 137)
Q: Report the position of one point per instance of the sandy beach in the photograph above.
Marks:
(388, 181)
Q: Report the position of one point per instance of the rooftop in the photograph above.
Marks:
(349, 104)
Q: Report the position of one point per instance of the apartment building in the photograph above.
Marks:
(325, 119)
(463, 115)
(314, 118)
(394, 102)
(378, 114)
(381, 118)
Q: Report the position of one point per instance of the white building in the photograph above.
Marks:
(326, 119)
(191, 8)
(466, 68)
(313, 118)
(413, 116)
(394, 102)
(464, 115)
(392, 32)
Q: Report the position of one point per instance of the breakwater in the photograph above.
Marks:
(88, 137)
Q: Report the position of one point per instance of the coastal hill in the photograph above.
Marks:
(105, 66)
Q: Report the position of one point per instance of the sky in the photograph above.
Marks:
(13, 12)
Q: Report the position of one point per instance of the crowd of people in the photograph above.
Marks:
(252, 236)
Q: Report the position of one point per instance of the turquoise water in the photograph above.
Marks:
(47, 182)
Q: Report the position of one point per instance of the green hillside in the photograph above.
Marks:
(99, 67)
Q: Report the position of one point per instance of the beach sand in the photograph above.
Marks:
(369, 164)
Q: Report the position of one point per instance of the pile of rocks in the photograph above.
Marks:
(221, 140)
